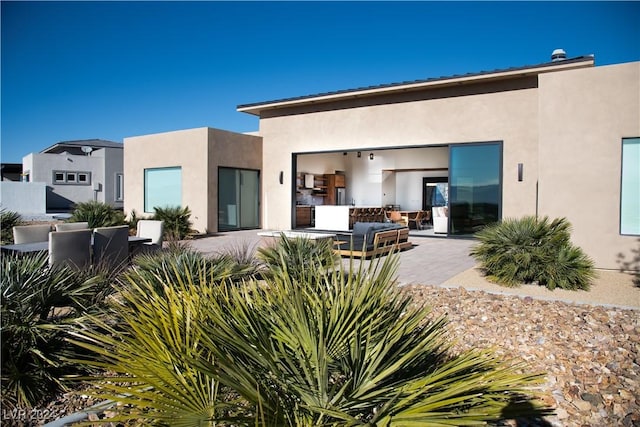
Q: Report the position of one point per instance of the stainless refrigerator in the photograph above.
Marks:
(341, 196)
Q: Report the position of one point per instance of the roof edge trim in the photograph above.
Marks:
(578, 62)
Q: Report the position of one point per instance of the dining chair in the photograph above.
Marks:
(71, 248)
(111, 245)
(66, 226)
(398, 218)
(152, 229)
(31, 233)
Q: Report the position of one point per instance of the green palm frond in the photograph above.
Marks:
(312, 344)
(532, 250)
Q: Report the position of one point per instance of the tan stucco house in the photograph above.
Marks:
(214, 172)
(558, 139)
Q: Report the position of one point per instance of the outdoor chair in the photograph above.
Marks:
(31, 233)
(440, 219)
(152, 229)
(71, 248)
(66, 226)
(111, 245)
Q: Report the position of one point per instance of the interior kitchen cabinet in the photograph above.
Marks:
(303, 216)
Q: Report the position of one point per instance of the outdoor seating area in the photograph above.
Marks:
(370, 239)
(75, 244)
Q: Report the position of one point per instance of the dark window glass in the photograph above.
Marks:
(475, 192)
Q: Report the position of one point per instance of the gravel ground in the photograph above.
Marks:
(590, 354)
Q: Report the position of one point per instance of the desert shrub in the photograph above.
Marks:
(348, 349)
(531, 250)
(177, 221)
(180, 264)
(300, 259)
(8, 219)
(36, 299)
(97, 214)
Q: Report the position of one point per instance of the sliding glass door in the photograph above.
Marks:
(238, 199)
(475, 192)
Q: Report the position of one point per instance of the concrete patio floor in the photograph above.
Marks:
(446, 262)
(431, 261)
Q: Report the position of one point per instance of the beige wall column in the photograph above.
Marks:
(584, 114)
(185, 148)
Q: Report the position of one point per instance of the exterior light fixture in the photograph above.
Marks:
(359, 154)
(371, 156)
(520, 172)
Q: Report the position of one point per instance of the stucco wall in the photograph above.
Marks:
(199, 152)
(448, 116)
(23, 197)
(584, 114)
(229, 149)
(40, 166)
(184, 148)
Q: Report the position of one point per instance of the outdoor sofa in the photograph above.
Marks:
(373, 239)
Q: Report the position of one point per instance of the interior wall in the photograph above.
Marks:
(375, 182)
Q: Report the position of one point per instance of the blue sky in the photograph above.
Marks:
(110, 70)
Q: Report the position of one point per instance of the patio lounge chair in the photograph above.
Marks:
(111, 245)
(66, 226)
(372, 239)
(152, 229)
(72, 248)
(31, 233)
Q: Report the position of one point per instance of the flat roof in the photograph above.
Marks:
(513, 72)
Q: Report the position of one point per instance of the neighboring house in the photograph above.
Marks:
(215, 173)
(558, 139)
(78, 171)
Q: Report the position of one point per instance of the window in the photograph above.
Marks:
(72, 177)
(162, 188)
(475, 191)
(119, 187)
(238, 199)
(630, 187)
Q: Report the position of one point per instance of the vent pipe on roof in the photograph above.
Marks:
(558, 55)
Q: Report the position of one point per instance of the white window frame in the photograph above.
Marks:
(630, 187)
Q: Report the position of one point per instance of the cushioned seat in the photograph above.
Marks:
(66, 226)
(373, 238)
(31, 233)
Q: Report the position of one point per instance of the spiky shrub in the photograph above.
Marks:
(35, 300)
(177, 221)
(97, 214)
(297, 257)
(181, 264)
(349, 349)
(8, 219)
(531, 250)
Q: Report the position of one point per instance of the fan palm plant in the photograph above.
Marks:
(35, 298)
(529, 250)
(8, 219)
(177, 221)
(97, 214)
(326, 347)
